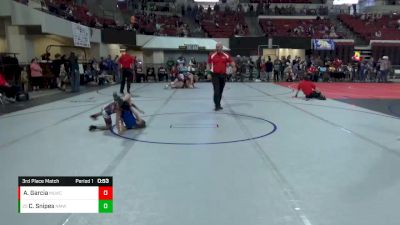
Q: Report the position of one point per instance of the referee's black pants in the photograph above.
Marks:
(218, 81)
(127, 76)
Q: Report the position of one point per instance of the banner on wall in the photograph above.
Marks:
(81, 35)
(323, 44)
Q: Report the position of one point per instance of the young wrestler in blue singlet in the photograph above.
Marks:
(127, 116)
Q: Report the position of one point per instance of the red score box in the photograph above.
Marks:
(105, 193)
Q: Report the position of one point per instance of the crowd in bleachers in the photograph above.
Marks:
(219, 24)
(160, 25)
(373, 26)
(315, 28)
(71, 11)
(289, 9)
(215, 22)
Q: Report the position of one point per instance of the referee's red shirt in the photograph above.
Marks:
(126, 61)
(219, 62)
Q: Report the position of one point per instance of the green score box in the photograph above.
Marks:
(105, 206)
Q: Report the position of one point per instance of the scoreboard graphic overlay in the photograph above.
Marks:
(65, 195)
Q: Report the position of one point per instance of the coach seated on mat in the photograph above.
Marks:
(139, 73)
(309, 89)
(150, 73)
(162, 74)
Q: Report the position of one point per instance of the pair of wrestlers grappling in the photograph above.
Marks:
(127, 115)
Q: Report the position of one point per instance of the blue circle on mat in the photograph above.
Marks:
(274, 128)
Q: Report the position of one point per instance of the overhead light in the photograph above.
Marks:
(206, 0)
(345, 2)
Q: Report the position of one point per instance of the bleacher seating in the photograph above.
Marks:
(287, 28)
(169, 25)
(366, 29)
(80, 13)
(222, 25)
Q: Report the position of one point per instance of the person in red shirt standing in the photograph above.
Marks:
(127, 63)
(309, 89)
(217, 63)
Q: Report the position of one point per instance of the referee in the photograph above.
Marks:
(127, 64)
(217, 63)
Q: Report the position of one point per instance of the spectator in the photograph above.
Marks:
(109, 65)
(192, 65)
(312, 72)
(181, 61)
(56, 64)
(74, 72)
(10, 91)
(216, 8)
(258, 66)
(162, 73)
(63, 78)
(170, 64)
(283, 67)
(269, 66)
(46, 56)
(94, 67)
(384, 69)
(36, 74)
(173, 73)
(139, 72)
(102, 65)
(43, 5)
(251, 68)
(150, 73)
(263, 72)
(25, 79)
(240, 63)
(277, 69)
(362, 71)
(117, 77)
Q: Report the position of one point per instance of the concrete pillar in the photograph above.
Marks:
(108, 49)
(3, 43)
(158, 57)
(16, 41)
(269, 42)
